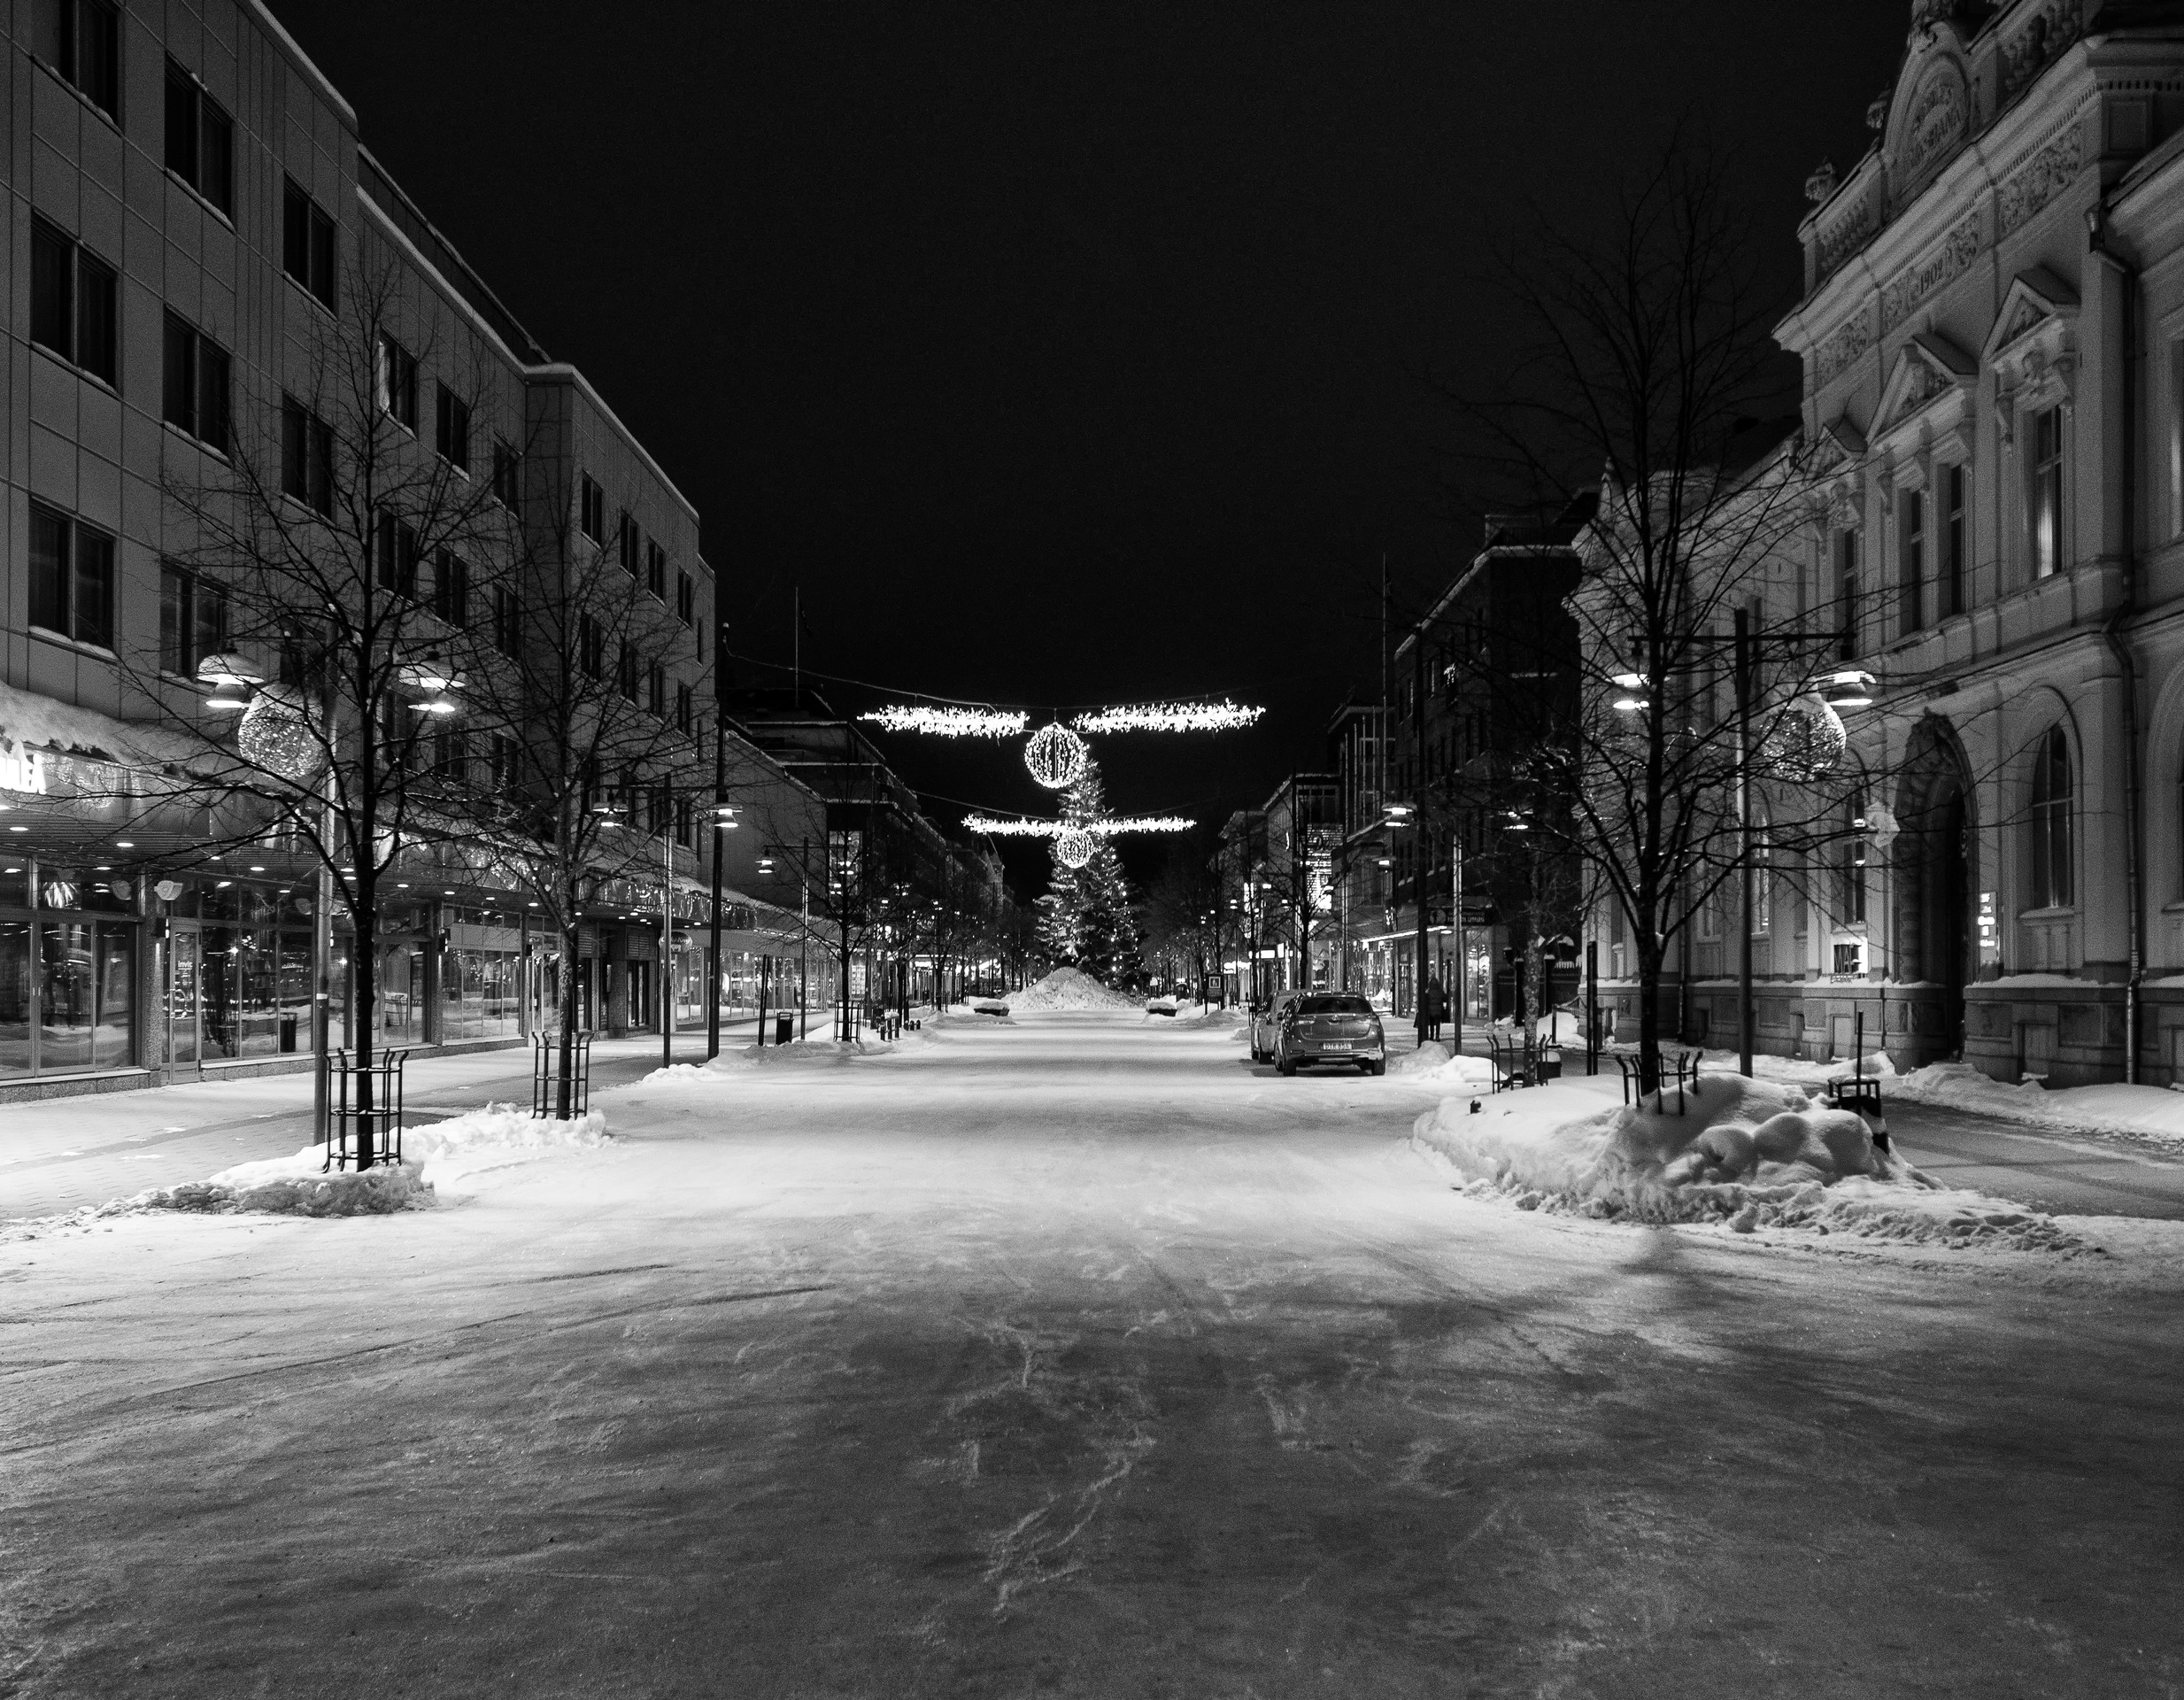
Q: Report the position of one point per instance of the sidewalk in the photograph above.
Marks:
(59, 1153)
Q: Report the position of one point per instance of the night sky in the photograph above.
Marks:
(1066, 353)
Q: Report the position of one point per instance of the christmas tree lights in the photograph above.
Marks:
(950, 723)
(1074, 847)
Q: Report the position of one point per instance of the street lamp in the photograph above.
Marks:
(232, 680)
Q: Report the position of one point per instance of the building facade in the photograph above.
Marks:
(197, 243)
(1993, 344)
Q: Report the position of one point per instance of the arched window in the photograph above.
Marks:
(2051, 823)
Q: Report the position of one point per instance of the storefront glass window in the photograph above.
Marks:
(68, 996)
(14, 997)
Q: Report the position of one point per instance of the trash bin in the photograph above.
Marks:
(784, 1029)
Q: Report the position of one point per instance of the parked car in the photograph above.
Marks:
(1330, 1027)
(1266, 1017)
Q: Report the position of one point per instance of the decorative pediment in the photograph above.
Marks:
(1929, 368)
(1849, 441)
(2032, 348)
(2036, 298)
(1929, 120)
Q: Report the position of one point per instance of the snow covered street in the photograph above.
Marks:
(1073, 1355)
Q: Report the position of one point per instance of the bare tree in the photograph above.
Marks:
(1706, 650)
(314, 581)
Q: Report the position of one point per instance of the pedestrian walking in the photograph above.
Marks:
(1436, 1008)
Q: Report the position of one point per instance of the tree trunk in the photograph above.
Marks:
(364, 972)
(564, 1061)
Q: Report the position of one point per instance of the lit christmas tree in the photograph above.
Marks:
(1088, 918)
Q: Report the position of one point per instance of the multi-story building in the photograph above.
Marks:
(1992, 343)
(202, 255)
(1478, 683)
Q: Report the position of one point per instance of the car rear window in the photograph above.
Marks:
(1333, 1006)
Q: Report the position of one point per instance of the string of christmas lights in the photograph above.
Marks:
(950, 723)
(1168, 717)
(996, 827)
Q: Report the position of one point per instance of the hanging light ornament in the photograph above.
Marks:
(276, 735)
(1805, 743)
(1074, 847)
(1055, 756)
(950, 723)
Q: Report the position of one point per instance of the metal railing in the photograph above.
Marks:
(363, 1126)
(554, 1095)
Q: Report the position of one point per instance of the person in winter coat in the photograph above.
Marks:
(1436, 1008)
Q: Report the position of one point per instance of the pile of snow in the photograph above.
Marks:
(1200, 1014)
(1433, 1064)
(1069, 989)
(376, 1192)
(1751, 1153)
(2150, 1113)
(297, 1185)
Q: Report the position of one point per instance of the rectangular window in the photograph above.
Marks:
(450, 756)
(450, 589)
(81, 39)
(655, 569)
(71, 578)
(685, 822)
(625, 544)
(1853, 865)
(195, 388)
(503, 758)
(307, 242)
(2044, 497)
(656, 695)
(686, 597)
(193, 621)
(1847, 592)
(394, 381)
(507, 468)
(507, 624)
(683, 716)
(1954, 539)
(1911, 546)
(396, 548)
(454, 430)
(625, 674)
(73, 301)
(590, 647)
(306, 456)
(593, 513)
(200, 139)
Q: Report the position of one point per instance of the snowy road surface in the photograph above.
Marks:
(1074, 1357)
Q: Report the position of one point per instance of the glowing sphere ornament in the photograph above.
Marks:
(276, 735)
(1073, 846)
(1805, 743)
(1055, 756)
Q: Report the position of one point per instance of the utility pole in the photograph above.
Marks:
(666, 976)
(1742, 661)
(1417, 758)
(720, 800)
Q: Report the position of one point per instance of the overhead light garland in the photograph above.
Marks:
(950, 723)
(995, 826)
(1168, 717)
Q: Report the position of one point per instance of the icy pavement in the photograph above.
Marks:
(1075, 1356)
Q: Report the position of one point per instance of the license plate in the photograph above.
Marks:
(1334, 1044)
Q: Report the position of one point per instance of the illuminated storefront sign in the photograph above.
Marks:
(23, 770)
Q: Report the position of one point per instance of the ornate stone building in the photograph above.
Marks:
(1992, 341)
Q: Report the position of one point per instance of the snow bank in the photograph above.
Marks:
(298, 1185)
(2151, 1113)
(1069, 989)
(801, 1054)
(1432, 1063)
(1749, 1153)
(376, 1192)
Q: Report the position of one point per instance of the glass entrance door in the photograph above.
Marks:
(185, 998)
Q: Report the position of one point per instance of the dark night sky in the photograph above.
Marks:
(1066, 352)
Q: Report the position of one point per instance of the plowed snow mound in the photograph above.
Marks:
(298, 1186)
(1068, 988)
(1750, 1153)
(1432, 1065)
